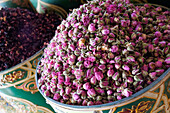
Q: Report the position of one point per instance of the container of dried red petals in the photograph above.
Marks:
(23, 35)
(108, 56)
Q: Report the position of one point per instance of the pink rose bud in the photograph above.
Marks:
(91, 92)
(126, 92)
(98, 102)
(99, 75)
(150, 48)
(47, 93)
(139, 87)
(84, 102)
(134, 16)
(115, 76)
(125, 67)
(129, 79)
(109, 92)
(145, 67)
(114, 49)
(117, 66)
(167, 60)
(123, 23)
(105, 31)
(68, 90)
(92, 58)
(56, 96)
(135, 71)
(102, 67)
(65, 97)
(70, 33)
(141, 59)
(134, 23)
(153, 75)
(110, 55)
(110, 72)
(103, 84)
(138, 27)
(75, 96)
(119, 97)
(93, 80)
(90, 103)
(86, 86)
(156, 40)
(162, 43)
(152, 65)
(158, 34)
(144, 73)
(166, 50)
(92, 28)
(160, 71)
(158, 64)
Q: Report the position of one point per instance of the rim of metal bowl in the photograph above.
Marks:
(21, 63)
(79, 107)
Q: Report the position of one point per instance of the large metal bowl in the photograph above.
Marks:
(155, 98)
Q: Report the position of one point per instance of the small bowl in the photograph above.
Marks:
(154, 98)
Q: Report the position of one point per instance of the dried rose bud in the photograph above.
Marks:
(117, 66)
(125, 67)
(115, 76)
(91, 92)
(83, 95)
(90, 103)
(141, 59)
(126, 92)
(144, 73)
(75, 96)
(129, 79)
(152, 65)
(92, 28)
(68, 90)
(119, 97)
(162, 43)
(150, 48)
(158, 34)
(87, 86)
(105, 31)
(152, 75)
(134, 16)
(138, 77)
(114, 49)
(98, 75)
(167, 60)
(135, 71)
(166, 50)
(109, 92)
(47, 93)
(160, 71)
(84, 102)
(57, 96)
(139, 87)
(103, 84)
(102, 67)
(110, 72)
(93, 80)
(158, 64)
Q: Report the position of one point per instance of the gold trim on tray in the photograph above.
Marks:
(22, 73)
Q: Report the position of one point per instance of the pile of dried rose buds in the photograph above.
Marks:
(104, 51)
